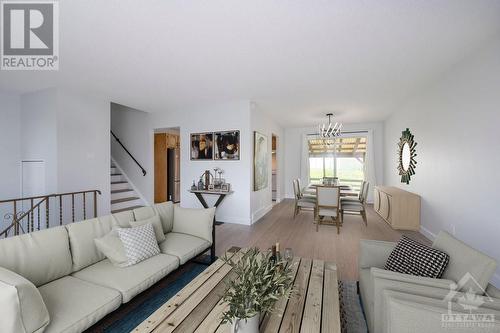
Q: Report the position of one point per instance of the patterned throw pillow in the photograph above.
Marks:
(139, 243)
(411, 257)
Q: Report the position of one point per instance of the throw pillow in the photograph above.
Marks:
(156, 222)
(411, 257)
(112, 247)
(139, 243)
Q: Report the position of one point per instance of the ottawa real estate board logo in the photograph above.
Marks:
(29, 35)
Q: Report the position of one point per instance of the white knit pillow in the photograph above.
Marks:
(139, 243)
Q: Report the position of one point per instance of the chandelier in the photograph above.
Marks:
(328, 131)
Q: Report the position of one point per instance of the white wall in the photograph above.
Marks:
(455, 122)
(10, 152)
(70, 132)
(261, 201)
(10, 146)
(293, 150)
(134, 129)
(227, 116)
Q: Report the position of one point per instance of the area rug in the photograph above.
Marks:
(352, 316)
(130, 315)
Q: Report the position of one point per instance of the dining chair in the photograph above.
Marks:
(358, 199)
(300, 202)
(328, 205)
(306, 192)
(355, 208)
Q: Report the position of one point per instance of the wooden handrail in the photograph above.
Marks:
(129, 154)
(19, 216)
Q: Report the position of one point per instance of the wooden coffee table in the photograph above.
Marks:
(314, 307)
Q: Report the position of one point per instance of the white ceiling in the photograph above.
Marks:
(296, 59)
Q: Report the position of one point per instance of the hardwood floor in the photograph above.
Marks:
(300, 234)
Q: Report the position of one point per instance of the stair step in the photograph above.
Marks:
(116, 174)
(121, 191)
(125, 209)
(119, 182)
(124, 200)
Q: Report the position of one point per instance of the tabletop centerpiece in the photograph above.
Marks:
(260, 281)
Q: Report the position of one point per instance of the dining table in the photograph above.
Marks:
(345, 190)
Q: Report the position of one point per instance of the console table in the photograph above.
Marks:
(313, 308)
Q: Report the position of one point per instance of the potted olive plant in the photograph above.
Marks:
(257, 284)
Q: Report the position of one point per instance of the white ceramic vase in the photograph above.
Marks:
(250, 325)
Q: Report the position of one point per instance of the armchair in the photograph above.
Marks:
(395, 302)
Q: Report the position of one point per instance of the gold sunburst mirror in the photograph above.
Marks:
(406, 154)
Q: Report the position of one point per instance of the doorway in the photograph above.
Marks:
(167, 161)
(274, 168)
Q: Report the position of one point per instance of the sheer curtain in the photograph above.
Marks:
(369, 167)
(304, 161)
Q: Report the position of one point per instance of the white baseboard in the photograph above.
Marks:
(231, 219)
(143, 199)
(261, 212)
(427, 233)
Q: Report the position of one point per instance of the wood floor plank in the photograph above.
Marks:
(300, 235)
(331, 310)
(181, 312)
(272, 322)
(294, 310)
(168, 308)
(311, 320)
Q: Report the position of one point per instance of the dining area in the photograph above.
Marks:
(330, 200)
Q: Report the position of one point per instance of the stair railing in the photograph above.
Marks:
(38, 214)
(129, 154)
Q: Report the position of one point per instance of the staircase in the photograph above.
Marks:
(123, 197)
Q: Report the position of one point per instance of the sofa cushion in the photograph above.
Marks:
(75, 305)
(411, 257)
(23, 309)
(157, 226)
(81, 240)
(195, 222)
(111, 246)
(184, 247)
(143, 213)
(139, 243)
(465, 262)
(166, 212)
(40, 256)
(122, 219)
(132, 280)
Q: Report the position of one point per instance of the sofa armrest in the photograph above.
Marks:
(194, 222)
(374, 253)
(23, 309)
(416, 280)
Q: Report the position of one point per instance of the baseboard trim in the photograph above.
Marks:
(427, 233)
(234, 220)
(261, 212)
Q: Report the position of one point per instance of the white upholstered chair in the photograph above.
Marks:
(356, 207)
(328, 205)
(302, 202)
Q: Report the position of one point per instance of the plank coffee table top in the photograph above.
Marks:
(314, 306)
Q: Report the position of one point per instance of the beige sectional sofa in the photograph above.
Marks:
(56, 280)
(395, 302)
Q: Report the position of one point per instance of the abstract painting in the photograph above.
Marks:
(227, 145)
(202, 146)
(260, 162)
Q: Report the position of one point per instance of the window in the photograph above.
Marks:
(342, 157)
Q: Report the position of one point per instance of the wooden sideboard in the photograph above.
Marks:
(399, 208)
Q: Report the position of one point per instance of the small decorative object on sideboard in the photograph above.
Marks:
(406, 156)
(259, 282)
(194, 187)
(226, 187)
